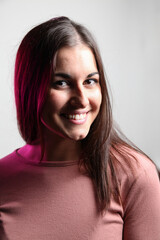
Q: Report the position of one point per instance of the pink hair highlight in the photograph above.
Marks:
(30, 93)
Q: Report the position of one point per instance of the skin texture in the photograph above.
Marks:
(75, 89)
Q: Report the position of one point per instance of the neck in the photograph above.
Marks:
(62, 149)
(56, 148)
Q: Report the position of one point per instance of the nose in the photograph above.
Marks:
(79, 98)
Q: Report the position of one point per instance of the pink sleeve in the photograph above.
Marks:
(142, 207)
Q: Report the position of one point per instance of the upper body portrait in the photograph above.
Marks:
(76, 177)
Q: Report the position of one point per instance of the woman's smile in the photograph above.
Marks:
(80, 118)
(74, 97)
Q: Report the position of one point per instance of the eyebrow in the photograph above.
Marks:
(67, 76)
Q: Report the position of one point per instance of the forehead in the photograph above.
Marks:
(79, 57)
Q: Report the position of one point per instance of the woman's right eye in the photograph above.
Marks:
(60, 84)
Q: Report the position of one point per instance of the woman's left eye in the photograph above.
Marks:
(91, 81)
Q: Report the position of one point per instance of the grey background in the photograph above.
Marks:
(128, 34)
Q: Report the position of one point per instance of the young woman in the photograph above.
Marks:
(75, 178)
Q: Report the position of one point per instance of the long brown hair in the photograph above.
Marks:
(33, 71)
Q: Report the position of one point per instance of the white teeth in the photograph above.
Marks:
(77, 116)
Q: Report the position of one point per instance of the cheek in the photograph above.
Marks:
(97, 99)
(56, 101)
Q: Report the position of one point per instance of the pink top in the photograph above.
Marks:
(53, 200)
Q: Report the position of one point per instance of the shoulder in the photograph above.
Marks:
(132, 163)
(140, 195)
(9, 164)
(8, 158)
(13, 157)
(136, 173)
(139, 186)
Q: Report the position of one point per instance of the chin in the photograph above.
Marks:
(78, 137)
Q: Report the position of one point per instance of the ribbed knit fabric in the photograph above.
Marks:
(54, 200)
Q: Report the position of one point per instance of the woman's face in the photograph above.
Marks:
(74, 97)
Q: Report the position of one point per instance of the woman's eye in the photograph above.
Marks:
(91, 81)
(60, 83)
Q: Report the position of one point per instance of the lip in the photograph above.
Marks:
(76, 112)
(76, 121)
